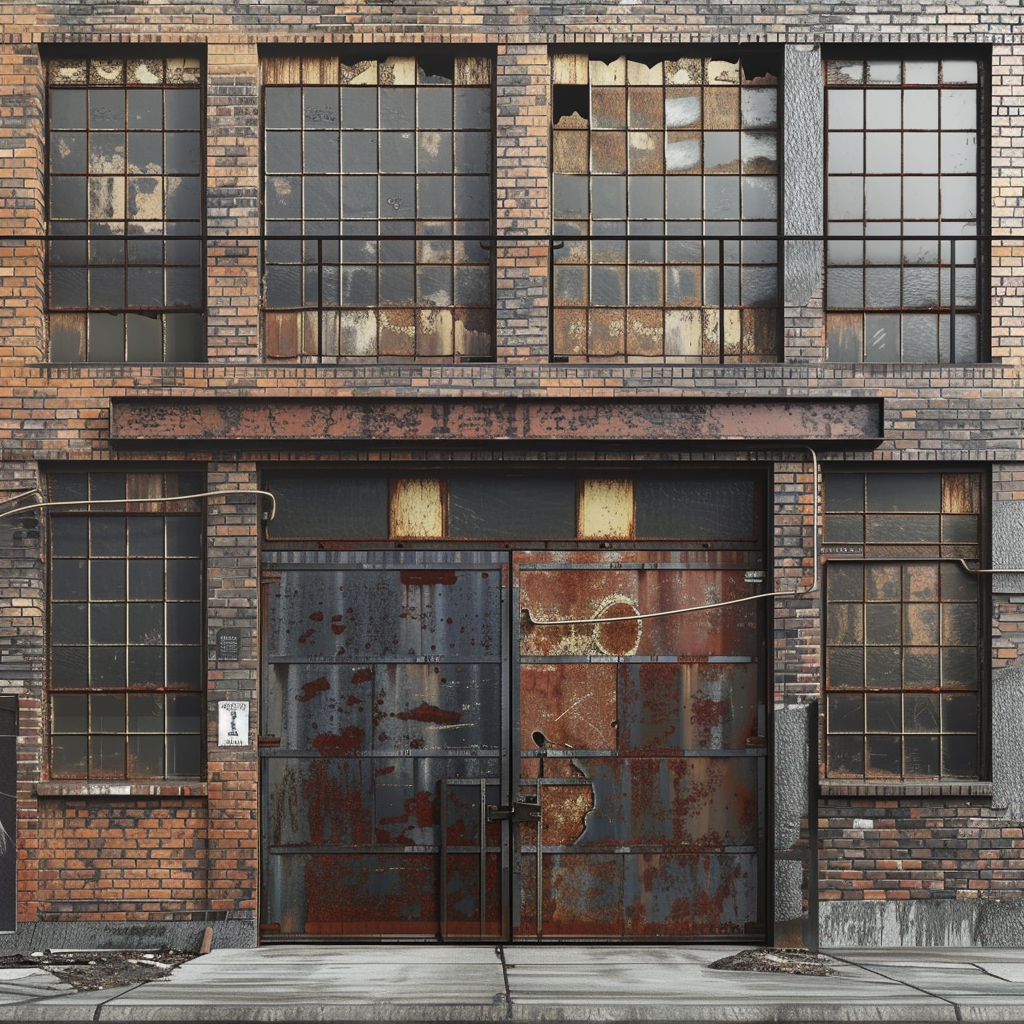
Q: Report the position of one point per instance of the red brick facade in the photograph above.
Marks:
(146, 856)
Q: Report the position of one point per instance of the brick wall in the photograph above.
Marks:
(55, 414)
(938, 848)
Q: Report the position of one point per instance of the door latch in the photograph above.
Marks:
(518, 812)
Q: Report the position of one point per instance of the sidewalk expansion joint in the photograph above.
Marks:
(499, 952)
(907, 984)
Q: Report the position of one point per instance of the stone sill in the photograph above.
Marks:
(116, 789)
(905, 789)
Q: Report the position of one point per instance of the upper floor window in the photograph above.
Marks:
(125, 209)
(904, 200)
(126, 626)
(378, 195)
(665, 174)
(903, 643)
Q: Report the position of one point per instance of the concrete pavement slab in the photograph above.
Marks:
(695, 992)
(565, 984)
(534, 984)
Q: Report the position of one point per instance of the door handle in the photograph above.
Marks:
(518, 812)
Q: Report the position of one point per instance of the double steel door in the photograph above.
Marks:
(452, 748)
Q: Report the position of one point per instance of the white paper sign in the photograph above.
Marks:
(233, 723)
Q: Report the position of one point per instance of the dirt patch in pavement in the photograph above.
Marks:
(89, 970)
(777, 961)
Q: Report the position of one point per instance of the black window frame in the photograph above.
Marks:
(129, 287)
(705, 277)
(903, 565)
(847, 341)
(126, 622)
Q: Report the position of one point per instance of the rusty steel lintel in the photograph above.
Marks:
(842, 423)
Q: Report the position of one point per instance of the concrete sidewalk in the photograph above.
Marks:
(539, 983)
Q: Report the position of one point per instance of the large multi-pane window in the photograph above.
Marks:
(904, 209)
(665, 174)
(903, 647)
(126, 626)
(378, 196)
(125, 209)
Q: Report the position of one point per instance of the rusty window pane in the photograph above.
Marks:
(125, 160)
(901, 633)
(125, 612)
(903, 167)
(658, 150)
(398, 147)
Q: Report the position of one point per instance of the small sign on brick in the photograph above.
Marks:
(233, 723)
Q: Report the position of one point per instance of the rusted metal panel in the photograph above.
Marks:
(644, 896)
(605, 509)
(417, 508)
(384, 679)
(386, 797)
(643, 743)
(841, 422)
(580, 594)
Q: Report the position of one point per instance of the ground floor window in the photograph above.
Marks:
(903, 644)
(125, 625)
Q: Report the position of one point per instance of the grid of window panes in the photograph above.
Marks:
(126, 626)
(126, 207)
(680, 154)
(903, 679)
(385, 166)
(903, 210)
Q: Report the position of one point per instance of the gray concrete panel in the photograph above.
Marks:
(38, 935)
(1008, 546)
(790, 755)
(977, 922)
(803, 158)
(1007, 749)
(789, 890)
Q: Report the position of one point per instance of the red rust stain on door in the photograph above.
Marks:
(428, 577)
(338, 745)
(429, 713)
(310, 690)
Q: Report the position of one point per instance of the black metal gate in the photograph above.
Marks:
(452, 749)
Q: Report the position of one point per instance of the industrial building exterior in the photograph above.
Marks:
(501, 472)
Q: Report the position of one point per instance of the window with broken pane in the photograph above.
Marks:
(125, 209)
(126, 648)
(903, 679)
(904, 208)
(378, 195)
(665, 184)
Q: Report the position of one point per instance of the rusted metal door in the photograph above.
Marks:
(404, 693)
(385, 729)
(642, 741)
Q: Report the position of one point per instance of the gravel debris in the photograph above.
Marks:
(91, 969)
(777, 961)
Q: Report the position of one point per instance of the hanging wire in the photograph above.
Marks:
(128, 501)
(704, 607)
